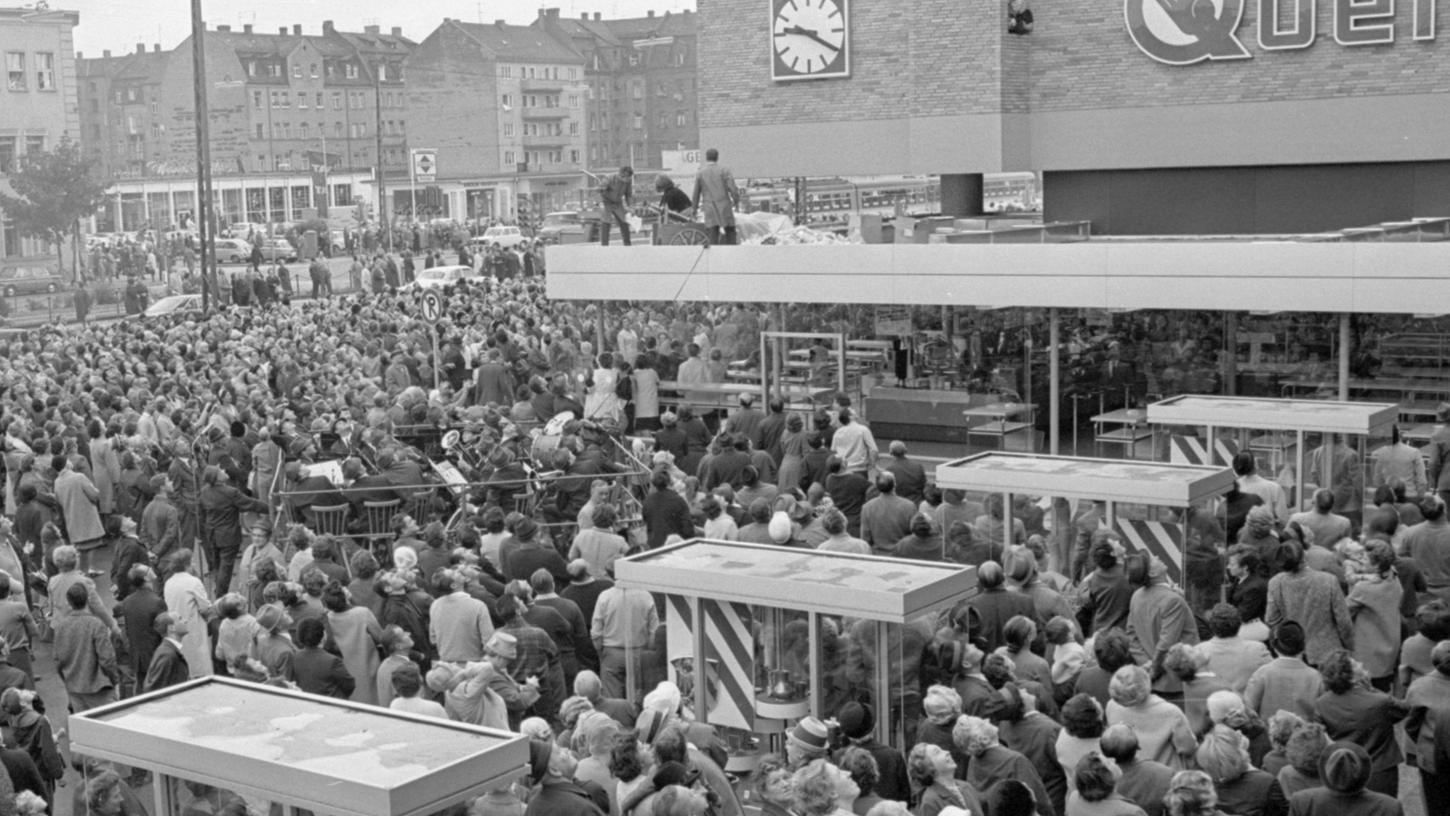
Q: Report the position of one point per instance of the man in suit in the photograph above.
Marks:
(1436, 471)
(996, 605)
(138, 614)
(716, 197)
(168, 665)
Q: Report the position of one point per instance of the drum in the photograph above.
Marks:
(544, 448)
(555, 426)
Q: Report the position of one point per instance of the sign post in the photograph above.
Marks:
(424, 168)
(433, 312)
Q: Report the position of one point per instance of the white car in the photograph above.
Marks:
(232, 250)
(439, 277)
(506, 237)
(174, 304)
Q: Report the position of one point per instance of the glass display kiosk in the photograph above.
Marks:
(788, 632)
(216, 744)
(1150, 504)
(1327, 441)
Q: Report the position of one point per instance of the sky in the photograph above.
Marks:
(118, 25)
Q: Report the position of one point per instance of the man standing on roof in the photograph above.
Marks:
(616, 193)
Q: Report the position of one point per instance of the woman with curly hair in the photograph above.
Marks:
(1242, 788)
(1191, 793)
(822, 789)
(771, 782)
(1190, 665)
(1353, 711)
(993, 762)
(1302, 751)
(861, 765)
(1280, 728)
(1164, 734)
(1112, 651)
(933, 772)
(1094, 790)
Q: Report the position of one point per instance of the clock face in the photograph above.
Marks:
(809, 39)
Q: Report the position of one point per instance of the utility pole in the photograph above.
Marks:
(382, 189)
(205, 225)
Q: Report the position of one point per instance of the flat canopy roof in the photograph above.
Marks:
(861, 586)
(1321, 416)
(1116, 480)
(326, 755)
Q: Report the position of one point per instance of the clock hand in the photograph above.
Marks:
(809, 34)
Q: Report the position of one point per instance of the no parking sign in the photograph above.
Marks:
(432, 307)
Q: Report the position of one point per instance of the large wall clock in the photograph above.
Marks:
(809, 39)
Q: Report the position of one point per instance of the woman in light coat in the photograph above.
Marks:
(78, 498)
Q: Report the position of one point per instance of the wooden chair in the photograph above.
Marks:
(378, 525)
(331, 520)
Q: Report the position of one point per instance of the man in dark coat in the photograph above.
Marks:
(665, 512)
(221, 508)
(138, 614)
(168, 665)
(994, 606)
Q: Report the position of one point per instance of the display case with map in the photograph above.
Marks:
(783, 633)
(219, 746)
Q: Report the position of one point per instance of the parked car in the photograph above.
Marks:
(564, 227)
(275, 249)
(232, 250)
(29, 280)
(174, 304)
(439, 277)
(506, 237)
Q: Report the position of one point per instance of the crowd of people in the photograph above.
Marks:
(1297, 664)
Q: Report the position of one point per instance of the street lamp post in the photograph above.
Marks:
(205, 222)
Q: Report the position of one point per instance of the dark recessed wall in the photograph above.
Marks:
(1247, 200)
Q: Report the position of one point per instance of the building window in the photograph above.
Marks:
(508, 157)
(573, 128)
(15, 70)
(680, 119)
(260, 133)
(257, 99)
(337, 100)
(680, 60)
(286, 130)
(319, 100)
(507, 100)
(337, 129)
(573, 157)
(573, 100)
(636, 89)
(7, 153)
(272, 99)
(350, 71)
(508, 128)
(275, 69)
(633, 60)
(573, 74)
(639, 121)
(302, 100)
(251, 68)
(506, 71)
(118, 96)
(34, 144)
(383, 72)
(44, 71)
(402, 126)
(297, 71)
(313, 70)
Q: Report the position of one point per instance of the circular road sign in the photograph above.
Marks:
(432, 307)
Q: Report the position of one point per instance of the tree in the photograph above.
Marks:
(54, 190)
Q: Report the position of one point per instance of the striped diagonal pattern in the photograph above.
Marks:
(730, 647)
(1161, 539)
(1190, 450)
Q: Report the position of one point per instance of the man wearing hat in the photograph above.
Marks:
(857, 723)
(274, 647)
(501, 650)
(551, 768)
(809, 740)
